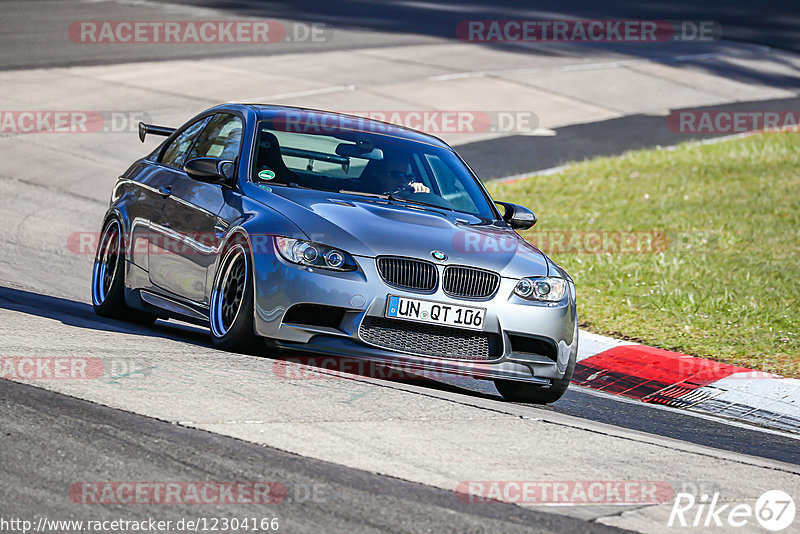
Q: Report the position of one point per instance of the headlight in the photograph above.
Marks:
(314, 254)
(542, 288)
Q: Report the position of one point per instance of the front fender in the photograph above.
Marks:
(254, 222)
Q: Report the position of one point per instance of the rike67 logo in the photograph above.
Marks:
(774, 510)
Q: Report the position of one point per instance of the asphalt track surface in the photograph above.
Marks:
(578, 401)
(37, 41)
(33, 37)
(84, 441)
(51, 440)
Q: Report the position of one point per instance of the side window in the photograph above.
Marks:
(450, 185)
(221, 138)
(173, 154)
(418, 169)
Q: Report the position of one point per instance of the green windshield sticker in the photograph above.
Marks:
(266, 174)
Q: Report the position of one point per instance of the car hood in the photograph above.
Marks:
(374, 227)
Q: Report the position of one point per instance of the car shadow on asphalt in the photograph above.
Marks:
(81, 315)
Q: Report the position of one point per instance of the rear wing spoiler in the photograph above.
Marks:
(145, 129)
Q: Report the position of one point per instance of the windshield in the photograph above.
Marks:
(367, 163)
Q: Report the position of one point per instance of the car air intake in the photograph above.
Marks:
(430, 340)
(468, 282)
(314, 315)
(407, 273)
(534, 345)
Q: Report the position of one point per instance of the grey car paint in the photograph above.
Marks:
(180, 285)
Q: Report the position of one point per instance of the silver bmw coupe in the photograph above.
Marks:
(339, 235)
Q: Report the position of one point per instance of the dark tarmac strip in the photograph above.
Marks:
(70, 441)
(35, 34)
(672, 423)
(492, 159)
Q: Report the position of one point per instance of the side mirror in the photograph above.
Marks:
(518, 217)
(210, 170)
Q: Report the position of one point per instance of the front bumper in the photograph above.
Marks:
(279, 285)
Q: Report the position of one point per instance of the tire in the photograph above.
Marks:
(514, 391)
(232, 304)
(108, 278)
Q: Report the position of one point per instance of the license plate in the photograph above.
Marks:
(426, 311)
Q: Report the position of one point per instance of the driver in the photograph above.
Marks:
(395, 175)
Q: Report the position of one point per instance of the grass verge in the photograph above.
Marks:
(693, 249)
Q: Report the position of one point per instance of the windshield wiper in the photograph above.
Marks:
(363, 194)
(391, 196)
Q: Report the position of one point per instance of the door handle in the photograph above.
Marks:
(165, 191)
